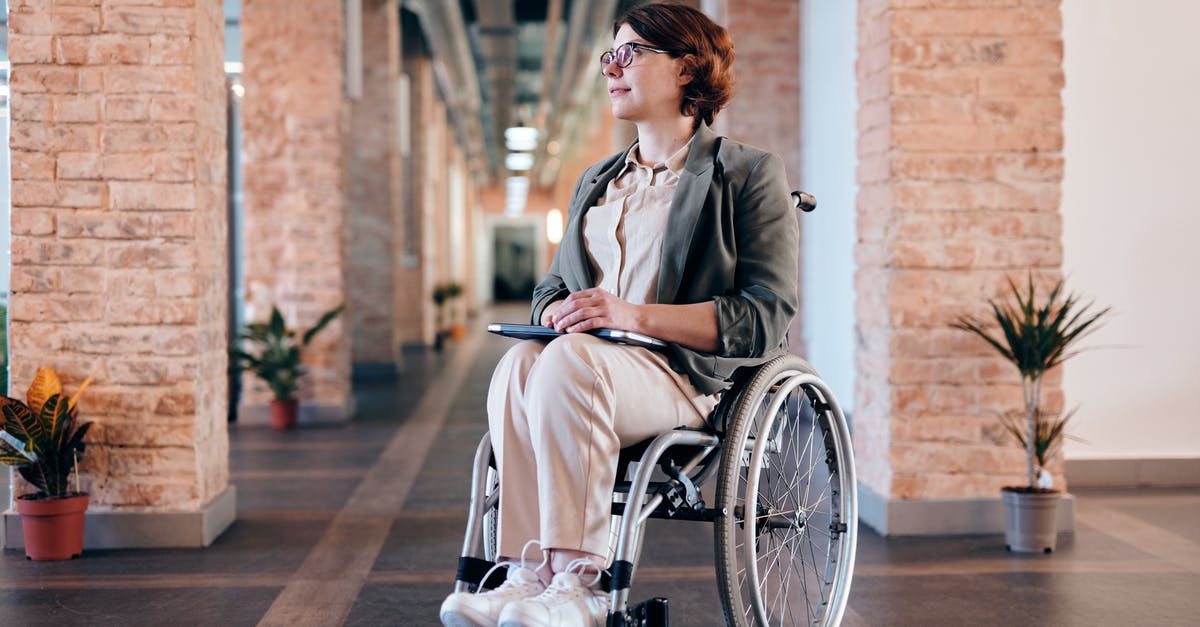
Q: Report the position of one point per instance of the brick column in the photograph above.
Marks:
(294, 118)
(960, 140)
(119, 253)
(414, 309)
(375, 181)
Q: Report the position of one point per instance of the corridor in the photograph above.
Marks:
(361, 523)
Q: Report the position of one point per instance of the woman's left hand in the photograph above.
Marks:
(594, 308)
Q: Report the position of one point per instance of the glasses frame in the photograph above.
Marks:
(611, 56)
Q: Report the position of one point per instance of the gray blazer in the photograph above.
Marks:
(732, 237)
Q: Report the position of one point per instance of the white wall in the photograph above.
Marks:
(828, 105)
(1132, 223)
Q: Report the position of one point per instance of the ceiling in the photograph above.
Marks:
(503, 63)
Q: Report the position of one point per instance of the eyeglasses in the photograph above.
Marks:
(625, 53)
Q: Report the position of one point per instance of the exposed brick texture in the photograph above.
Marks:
(427, 222)
(415, 278)
(295, 119)
(374, 179)
(119, 236)
(960, 164)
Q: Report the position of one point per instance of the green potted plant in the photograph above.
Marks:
(1034, 337)
(441, 297)
(275, 359)
(454, 291)
(43, 439)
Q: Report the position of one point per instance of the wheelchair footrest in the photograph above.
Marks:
(649, 613)
(472, 569)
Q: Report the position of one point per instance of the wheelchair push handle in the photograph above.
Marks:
(805, 201)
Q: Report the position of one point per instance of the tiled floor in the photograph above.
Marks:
(361, 524)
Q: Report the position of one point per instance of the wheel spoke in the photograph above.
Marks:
(784, 557)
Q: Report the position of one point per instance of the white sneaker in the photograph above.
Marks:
(471, 609)
(566, 601)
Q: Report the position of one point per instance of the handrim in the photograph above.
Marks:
(807, 521)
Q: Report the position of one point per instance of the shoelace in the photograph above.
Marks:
(558, 587)
(580, 565)
(524, 549)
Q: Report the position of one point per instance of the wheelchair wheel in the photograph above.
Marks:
(786, 537)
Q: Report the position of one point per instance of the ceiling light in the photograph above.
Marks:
(521, 138)
(518, 161)
(516, 191)
(554, 226)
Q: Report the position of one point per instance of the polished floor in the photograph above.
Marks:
(361, 524)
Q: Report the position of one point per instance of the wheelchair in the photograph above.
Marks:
(785, 516)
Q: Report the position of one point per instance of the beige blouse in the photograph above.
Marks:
(623, 234)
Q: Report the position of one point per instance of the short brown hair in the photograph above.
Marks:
(704, 46)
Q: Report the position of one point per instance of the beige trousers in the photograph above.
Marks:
(559, 413)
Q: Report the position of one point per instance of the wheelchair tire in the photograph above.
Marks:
(791, 561)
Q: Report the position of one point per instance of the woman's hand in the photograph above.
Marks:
(592, 308)
(548, 313)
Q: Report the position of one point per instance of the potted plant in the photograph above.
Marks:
(457, 328)
(441, 297)
(1034, 337)
(42, 438)
(277, 360)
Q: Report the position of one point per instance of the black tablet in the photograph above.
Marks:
(536, 332)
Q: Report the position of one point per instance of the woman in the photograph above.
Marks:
(684, 236)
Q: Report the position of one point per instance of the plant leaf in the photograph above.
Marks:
(82, 387)
(45, 384)
(13, 452)
(75, 443)
(55, 417)
(326, 318)
(276, 327)
(20, 422)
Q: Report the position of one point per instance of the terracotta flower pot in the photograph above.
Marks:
(53, 527)
(283, 414)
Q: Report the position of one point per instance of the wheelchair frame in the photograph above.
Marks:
(688, 457)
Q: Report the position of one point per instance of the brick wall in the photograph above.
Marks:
(374, 180)
(414, 312)
(119, 236)
(295, 118)
(960, 164)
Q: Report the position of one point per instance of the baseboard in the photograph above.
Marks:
(374, 372)
(943, 517)
(140, 529)
(310, 413)
(1178, 472)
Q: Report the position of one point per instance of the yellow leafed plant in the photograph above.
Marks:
(45, 384)
(42, 437)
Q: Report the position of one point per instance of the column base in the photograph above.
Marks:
(136, 529)
(310, 413)
(944, 517)
(374, 372)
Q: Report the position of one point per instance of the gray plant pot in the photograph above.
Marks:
(1030, 520)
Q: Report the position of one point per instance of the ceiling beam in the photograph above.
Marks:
(454, 69)
(498, 47)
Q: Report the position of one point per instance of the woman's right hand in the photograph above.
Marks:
(548, 314)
